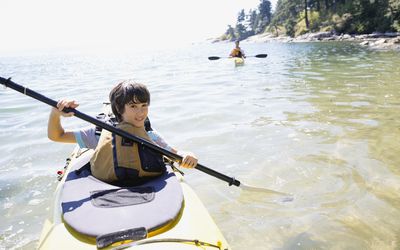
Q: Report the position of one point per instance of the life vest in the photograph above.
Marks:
(236, 52)
(122, 161)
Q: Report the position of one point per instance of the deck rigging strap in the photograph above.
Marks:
(171, 240)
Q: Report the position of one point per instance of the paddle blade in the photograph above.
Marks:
(260, 189)
(213, 57)
(286, 197)
(261, 55)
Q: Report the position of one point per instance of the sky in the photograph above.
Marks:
(41, 24)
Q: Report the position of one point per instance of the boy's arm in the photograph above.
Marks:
(189, 159)
(55, 131)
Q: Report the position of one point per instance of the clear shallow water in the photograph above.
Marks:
(319, 120)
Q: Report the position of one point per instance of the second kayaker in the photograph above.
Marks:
(237, 51)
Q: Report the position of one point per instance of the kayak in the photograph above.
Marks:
(239, 61)
(164, 213)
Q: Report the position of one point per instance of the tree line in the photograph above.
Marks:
(297, 17)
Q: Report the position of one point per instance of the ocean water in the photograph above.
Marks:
(318, 120)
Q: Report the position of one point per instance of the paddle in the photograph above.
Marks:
(218, 57)
(178, 158)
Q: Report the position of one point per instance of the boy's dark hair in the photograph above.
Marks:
(125, 92)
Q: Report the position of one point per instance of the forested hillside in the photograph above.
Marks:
(297, 17)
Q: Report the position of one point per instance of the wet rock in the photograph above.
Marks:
(380, 42)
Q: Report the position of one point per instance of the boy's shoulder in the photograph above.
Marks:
(86, 137)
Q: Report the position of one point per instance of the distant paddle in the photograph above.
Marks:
(230, 180)
(218, 57)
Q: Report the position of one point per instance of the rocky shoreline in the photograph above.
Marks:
(386, 41)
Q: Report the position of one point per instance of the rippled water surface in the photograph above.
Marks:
(319, 120)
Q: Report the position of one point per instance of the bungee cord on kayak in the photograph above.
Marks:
(171, 240)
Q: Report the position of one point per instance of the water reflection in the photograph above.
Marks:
(353, 121)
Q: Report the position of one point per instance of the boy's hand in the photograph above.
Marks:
(65, 104)
(189, 160)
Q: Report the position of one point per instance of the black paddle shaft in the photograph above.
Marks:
(212, 58)
(176, 157)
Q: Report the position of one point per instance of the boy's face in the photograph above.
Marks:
(135, 113)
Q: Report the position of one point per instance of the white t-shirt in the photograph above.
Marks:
(87, 138)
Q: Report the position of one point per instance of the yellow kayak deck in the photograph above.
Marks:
(238, 61)
(192, 229)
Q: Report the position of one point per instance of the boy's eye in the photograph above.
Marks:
(139, 105)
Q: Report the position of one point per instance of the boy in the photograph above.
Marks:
(116, 159)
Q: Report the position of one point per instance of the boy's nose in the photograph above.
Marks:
(142, 110)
